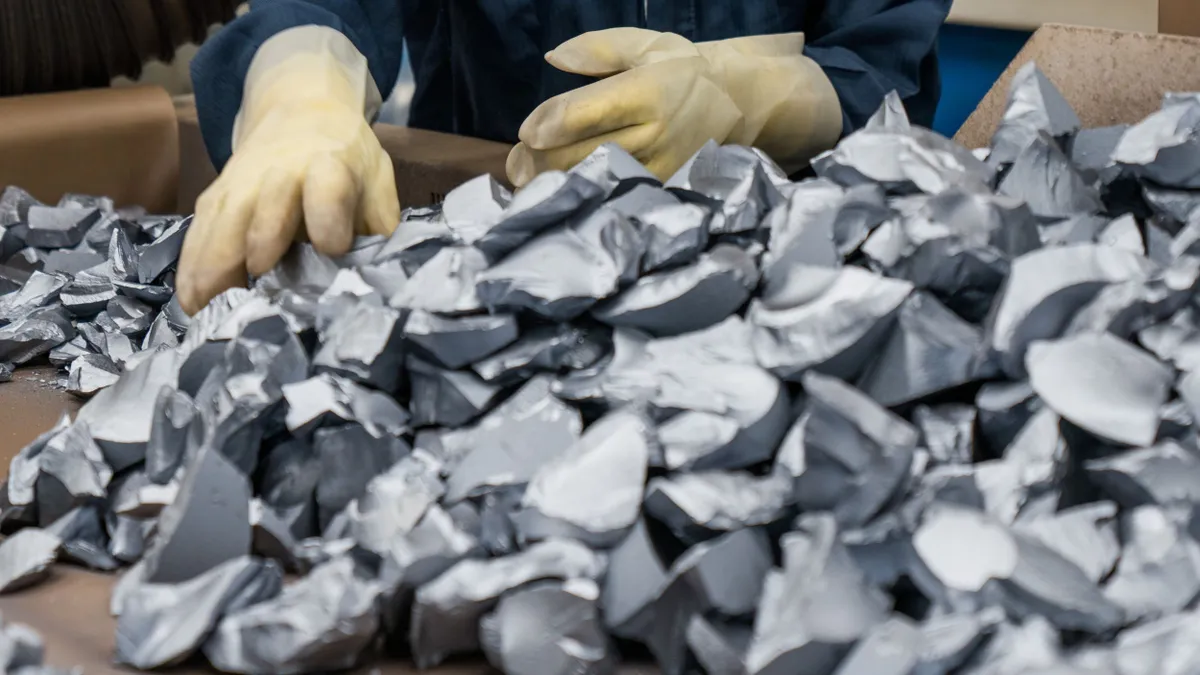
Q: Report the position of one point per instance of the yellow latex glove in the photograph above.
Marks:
(663, 97)
(306, 164)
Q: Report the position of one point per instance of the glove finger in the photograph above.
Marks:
(779, 44)
(213, 258)
(331, 193)
(523, 163)
(380, 204)
(605, 52)
(277, 218)
(630, 98)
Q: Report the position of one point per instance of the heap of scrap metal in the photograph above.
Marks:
(932, 411)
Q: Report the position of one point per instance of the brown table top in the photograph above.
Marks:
(70, 610)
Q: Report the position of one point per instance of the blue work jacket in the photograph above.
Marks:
(479, 64)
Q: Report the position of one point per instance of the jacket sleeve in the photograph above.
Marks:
(219, 70)
(869, 48)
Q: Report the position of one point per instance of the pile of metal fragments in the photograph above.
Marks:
(931, 412)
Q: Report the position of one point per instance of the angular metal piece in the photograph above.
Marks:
(829, 320)
(207, 524)
(845, 453)
(122, 259)
(547, 349)
(562, 273)
(1162, 148)
(154, 295)
(14, 205)
(815, 608)
(68, 351)
(696, 505)
(548, 628)
(85, 297)
(160, 255)
(890, 648)
(364, 344)
(446, 283)
(610, 165)
(53, 227)
(350, 457)
(741, 184)
(38, 291)
(130, 316)
(948, 432)
(952, 638)
(160, 334)
(329, 397)
(84, 539)
(690, 298)
(34, 335)
(26, 557)
(171, 434)
(1047, 584)
(1034, 105)
(1085, 535)
(593, 492)
(1044, 291)
(120, 417)
(447, 397)
(90, 373)
(163, 624)
(959, 550)
(422, 232)
(509, 445)
(455, 342)
(447, 610)
(719, 646)
(642, 197)
(550, 199)
(1164, 474)
(6, 372)
(675, 234)
(1123, 391)
(395, 501)
(322, 622)
(930, 351)
(71, 261)
(1004, 408)
(1044, 177)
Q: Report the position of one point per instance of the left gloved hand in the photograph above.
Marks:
(664, 97)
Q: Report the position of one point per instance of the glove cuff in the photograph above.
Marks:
(307, 65)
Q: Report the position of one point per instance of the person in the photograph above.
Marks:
(64, 45)
(286, 93)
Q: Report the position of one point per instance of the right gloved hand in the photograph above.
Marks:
(306, 165)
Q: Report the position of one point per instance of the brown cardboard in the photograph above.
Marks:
(121, 143)
(1110, 77)
(427, 164)
(1179, 17)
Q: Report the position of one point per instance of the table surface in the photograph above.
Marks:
(70, 610)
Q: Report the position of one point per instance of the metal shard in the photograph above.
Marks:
(120, 417)
(676, 234)
(830, 320)
(6, 372)
(207, 524)
(641, 198)
(1162, 147)
(455, 342)
(322, 622)
(741, 183)
(122, 259)
(26, 557)
(470, 208)
(845, 453)
(28, 338)
(959, 550)
(552, 198)
(1165, 474)
(53, 227)
(696, 505)
(130, 316)
(160, 334)
(609, 166)
(948, 432)
(549, 349)
(327, 397)
(447, 610)
(447, 397)
(1101, 383)
(70, 261)
(365, 344)
(890, 648)
(509, 445)
(15, 204)
(395, 501)
(161, 254)
(170, 434)
(951, 639)
(592, 492)
(1085, 535)
(84, 539)
(350, 457)
(687, 299)
(1044, 291)
(38, 291)
(815, 608)
(719, 646)
(1034, 105)
(930, 351)
(1044, 177)
(163, 624)
(422, 232)
(1159, 570)
(548, 628)
(90, 373)
(1004, 408)
(562, 273)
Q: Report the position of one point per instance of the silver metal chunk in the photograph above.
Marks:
(548, 628)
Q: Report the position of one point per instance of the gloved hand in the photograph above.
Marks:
(305, 165)
(663, 97)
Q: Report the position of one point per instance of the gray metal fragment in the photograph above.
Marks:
(1085, 535)
(84, 539)
(328, 397)
(1121, 393)
(156, 257)
(509, 445)
(160, 334)
(446, 283)
(471, 208)
(830, 320)
(151, 294)
(1159, 570)
(395, 501)
(592, 492)
(549, 199)
(130, 316)
(447, 610)
(455, 342)
(422, 232)
(207, 524)
(90, 373)
(40, 331)
(562, 273)
(546, 349)
(1034, 105)
(40, 290)
(1004, 408)
(610, 165)
(1162, 147)
(948, 432)
(814, 608)
(642, 197)
(696, 505)
(675, 234)
(53, 227)
(742, 183)
(1044, 177)
(950, 639)
(447, 397)
(548, 628)
(1165, 474)
(6, 372)
(163, 624)
(365, 344)
(68, 351)
(26, 557)
(719, 646)
(687, 299)
(122, 259)
(350, 457)
(71, 261)
(120, 417)
(171, 433)
(14, 205)
(890, 648)
(322, 622)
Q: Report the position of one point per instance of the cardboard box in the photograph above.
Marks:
(1110, 77)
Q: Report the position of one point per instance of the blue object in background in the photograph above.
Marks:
(971, 59)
